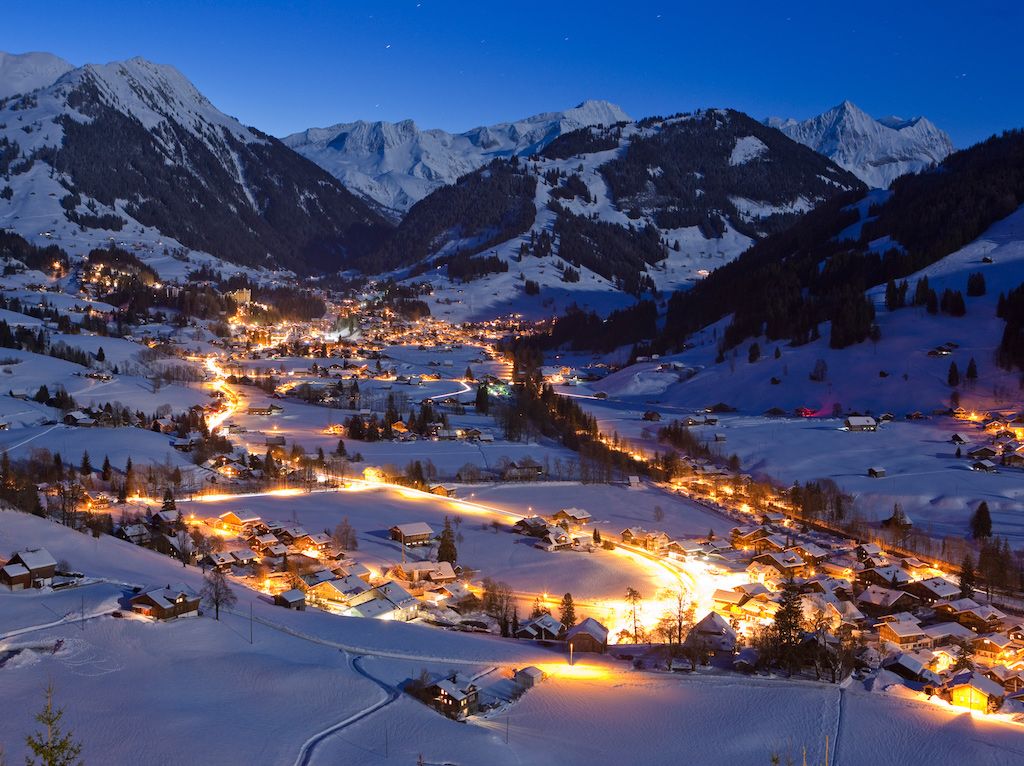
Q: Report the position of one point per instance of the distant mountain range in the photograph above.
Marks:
(875, 150)
(397, 164)
(605, 213)
(132, 152)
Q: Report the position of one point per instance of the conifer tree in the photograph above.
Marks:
(482, 404)
(446, 547)
(52, 746)
(568, 611)
(953, 378)
(981, 522)
(168, 504)
(968, 580)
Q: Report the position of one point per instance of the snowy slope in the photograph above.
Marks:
(148, 154)
(897, 375)
(397, 164)
(914, 380)
(272, 697)
(689, 250)
(875, 150)
(24, 72)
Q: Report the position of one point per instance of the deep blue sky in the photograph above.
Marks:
(285, 66)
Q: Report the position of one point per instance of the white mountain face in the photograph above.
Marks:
(131, 149)
(875, 150)
(397, 164)
(24, 72)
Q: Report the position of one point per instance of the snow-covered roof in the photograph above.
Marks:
(939, 586)
(972, 678)
(167, 596)
(414, 528)
(949, 630)
(591, 627)
(882, 597)
(36, 558)
(575, 513)
(729, 596)
(14, 570)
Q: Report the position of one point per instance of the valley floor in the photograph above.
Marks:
(318, 689)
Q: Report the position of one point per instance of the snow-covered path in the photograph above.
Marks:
(391, 694)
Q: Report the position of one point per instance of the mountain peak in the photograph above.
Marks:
(26, 72)
(876, 150)
(397, 163)
(599, 111)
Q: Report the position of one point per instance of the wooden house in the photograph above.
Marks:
(412, 533)
(166, 603)
(861, 423)
(575, 516)
(588, 636)
(542, 628)
(291, 599)
(974, 691)
(455, 696)
(713, 635)
(528, 677)
(33, 568)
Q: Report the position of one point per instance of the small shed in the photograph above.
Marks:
(877, 472)
(413, 533)
(861, 423)
(291, 599)
(588, 636)
(528, 677)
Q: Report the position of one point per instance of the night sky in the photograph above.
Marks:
(286, 66)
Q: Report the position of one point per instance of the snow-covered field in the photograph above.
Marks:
(197, 690)
(499, 554)
(937, 490)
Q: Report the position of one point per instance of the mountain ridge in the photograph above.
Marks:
(133, 145)
(397, 164)
(22, 73)
(875, 150)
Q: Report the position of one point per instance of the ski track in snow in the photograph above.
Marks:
(391, 694)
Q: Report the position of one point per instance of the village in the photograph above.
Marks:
(359, 468)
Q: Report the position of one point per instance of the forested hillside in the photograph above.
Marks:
(817, 271)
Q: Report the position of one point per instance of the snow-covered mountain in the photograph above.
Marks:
(875, 150)
(397, 164)
(25, 72)
(601, 216)
(132, 150)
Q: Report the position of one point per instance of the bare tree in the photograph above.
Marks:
(344, 536)
(217, 592)
(185, 545)
(70, 494)
(633, 598)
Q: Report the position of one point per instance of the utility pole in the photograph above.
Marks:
(506, 730)
(250, 622)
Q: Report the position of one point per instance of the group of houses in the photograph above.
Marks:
(560, 531)
(908, 613)
(1002, 443)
